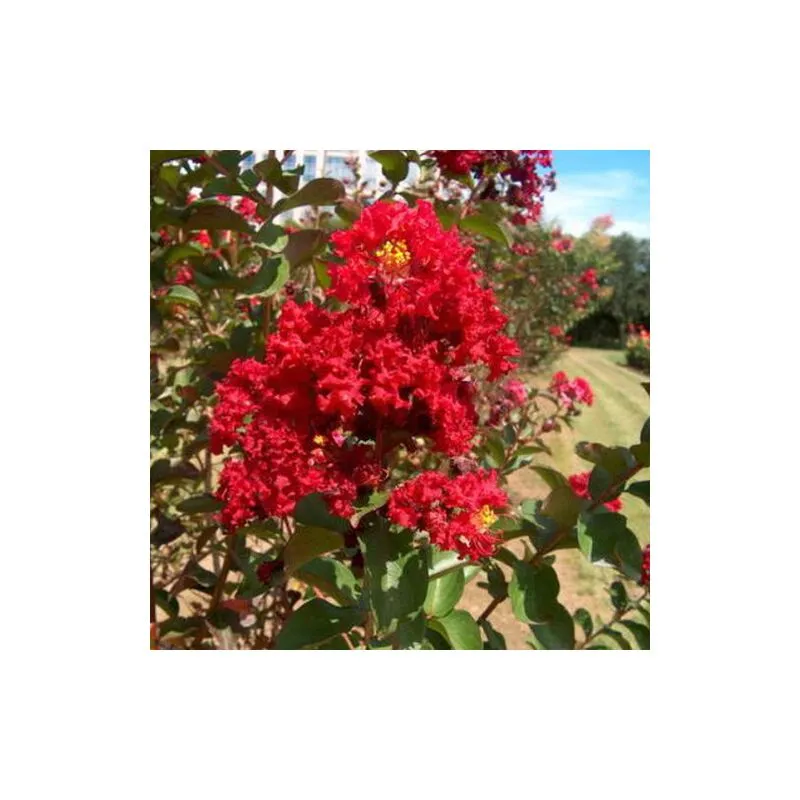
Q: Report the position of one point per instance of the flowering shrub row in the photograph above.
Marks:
(333, 417)
(637, 348)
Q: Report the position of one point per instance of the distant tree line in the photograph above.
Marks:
(628, 300)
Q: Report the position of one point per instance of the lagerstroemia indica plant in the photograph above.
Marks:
(334, 417)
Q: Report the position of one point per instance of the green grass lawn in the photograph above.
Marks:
(620, 409)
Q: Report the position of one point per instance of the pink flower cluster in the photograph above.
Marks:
(570, 393)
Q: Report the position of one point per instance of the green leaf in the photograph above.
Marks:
(332, 578)
(617, 638)
(551, 477)
(181, 295)
(619, 595)
(533, 591)
(444, 593)
(447, 212)
(321, 273)
(303, 245)
(646, 386)
(494, 639)
(272, 236)
(396, 574)
(307, 543)
(166, 603)
(211, 216)
(557, 633)
(522, 457)
(315, 622)
(374, 501)
(180, 252)
(640, 632)
(640, 489)
(483, 226)
(598, 535)
(410, 633)
(584, 619)
(393, 162)
(628, 555)
(312, 510)
(644, 436)
(202, 504)
(563, 506)
(268, 280)
(319, 192)
(642, 453)
(494, 451)
(459, 629)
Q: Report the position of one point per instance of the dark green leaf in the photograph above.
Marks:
(211, 216)
(494, 639)
(619, 595)
(393, 162)
(321, 273)
(483, 226)
(307, 543)
(533, 591)
(181, 295)
(460, 630)
(640, 489)
(272, 236)
(312, 510)
(315, 622)
(396, 574)
(303, 245)
(166, 603)
(319, 192)
(557, 633)
(331, 577)
(644, 436)
(551, 477)
(202, 504)
(617, 638)
(268, 280)
(563, 506)
(584, 619)
(640, 632)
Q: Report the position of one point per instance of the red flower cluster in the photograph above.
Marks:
(561, 243)
(523, 249)
(509, 175)
(645, 580)
(340, 389)
(248, 209)
(556, 331)
(589, 278)
(580, 485)
(457, 512)
(183, 275)
(571, 392)
(202, 238)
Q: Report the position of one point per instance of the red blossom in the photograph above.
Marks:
(338, 390)
(457, 512)
(519, 177)
(580, 485)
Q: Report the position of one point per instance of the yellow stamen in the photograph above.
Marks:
(394, 257)
(319, 439)
(485, 517)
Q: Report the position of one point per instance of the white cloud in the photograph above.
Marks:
(580, 197)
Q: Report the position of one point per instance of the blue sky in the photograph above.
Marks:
(595, 182)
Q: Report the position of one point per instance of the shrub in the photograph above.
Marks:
(334, 418)
(637, 348)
